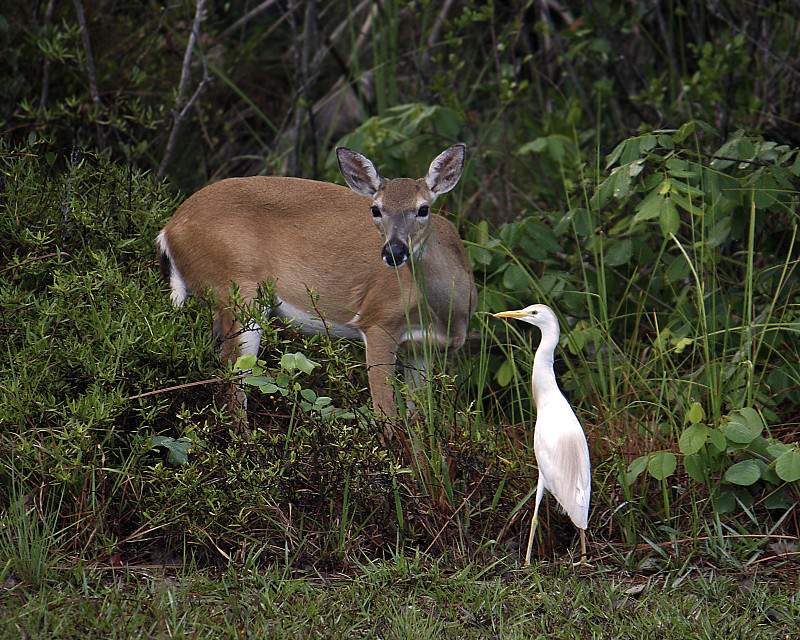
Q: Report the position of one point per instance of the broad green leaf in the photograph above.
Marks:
(245, 362)
(603, 192)
(753, 419)
(695, 414)
(308, 394)
(292, 361)
(693, 438)
(662, 465)
(515, 278)
(668, 220)
(788, 466)
(724, 501)
(635, 469)
(619, 253)
(650, 207)
(743, 426)
(743, 473)
(622, 182)
(718, 439)
(746, 149)
(612, 157)
(647, 143)
(505, 374)
(537, 145)
(265, 383)
(695, 467)
(177, 450)
(777, 449)
(719, 232)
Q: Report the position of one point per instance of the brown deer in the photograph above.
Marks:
(410, 282)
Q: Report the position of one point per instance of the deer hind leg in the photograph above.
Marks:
(237, 340)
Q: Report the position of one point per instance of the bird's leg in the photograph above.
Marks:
(583, 545)
(534, 522)
(535, 519)
(582, 561)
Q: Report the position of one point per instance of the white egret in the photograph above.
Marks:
(562, 453)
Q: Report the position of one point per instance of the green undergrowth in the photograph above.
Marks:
(116, 450)
(401, 599)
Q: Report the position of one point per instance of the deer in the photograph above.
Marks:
(407, 284)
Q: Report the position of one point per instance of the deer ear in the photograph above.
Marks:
(359, 172)
(446, 169)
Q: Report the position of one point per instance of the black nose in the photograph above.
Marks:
(395, 253)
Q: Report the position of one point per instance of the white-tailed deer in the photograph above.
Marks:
(410, 282)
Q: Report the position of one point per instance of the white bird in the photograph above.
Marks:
(562, 453)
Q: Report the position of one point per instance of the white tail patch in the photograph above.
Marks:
(176, 282)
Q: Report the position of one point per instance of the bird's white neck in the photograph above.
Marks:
(544, 378)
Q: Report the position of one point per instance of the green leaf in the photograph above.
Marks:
(505, 374)
(293, 361)
(265, 383)
(635, 469)
(743, 426)
(650, 207)
(668, 220)
(308, 394)
(787, 466)
(177, 450)
(612, 157)
(718, 439)
(515, 278)
(744, 473)
(622, 182)
(724, 501)
(619, 253)
(693, 438)
(695, 414)
(662, 465)
(247, 361)
(695, 467)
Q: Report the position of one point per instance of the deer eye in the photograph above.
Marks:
(423, 211)
(376, 213)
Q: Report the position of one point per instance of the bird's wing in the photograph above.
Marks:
(562, 455)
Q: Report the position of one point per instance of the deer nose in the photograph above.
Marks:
(395, 253)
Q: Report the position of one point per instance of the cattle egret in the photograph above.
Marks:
(559, 443)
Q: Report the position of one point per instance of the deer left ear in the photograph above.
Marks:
(446, 169)
(359, 172)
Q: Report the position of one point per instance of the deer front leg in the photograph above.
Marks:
(381, 356)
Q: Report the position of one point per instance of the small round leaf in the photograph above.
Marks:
(743, 473)
(662, 465)
(788, 466)
(693, 438)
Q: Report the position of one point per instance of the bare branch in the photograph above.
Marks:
(93, 87)
(180, 110)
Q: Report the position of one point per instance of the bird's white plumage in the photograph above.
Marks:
(559, 444)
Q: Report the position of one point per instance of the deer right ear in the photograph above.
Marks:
(359, 172)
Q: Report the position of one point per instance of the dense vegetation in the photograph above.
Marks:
(637, 168)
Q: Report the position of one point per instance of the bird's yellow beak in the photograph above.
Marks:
(510, 314)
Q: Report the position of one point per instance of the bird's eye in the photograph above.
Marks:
(423, 211)
(376, 213)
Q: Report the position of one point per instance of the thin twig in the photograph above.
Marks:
(44, 257)
(247, 17)
(93, 86)
(179, 112)
(176, 388)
